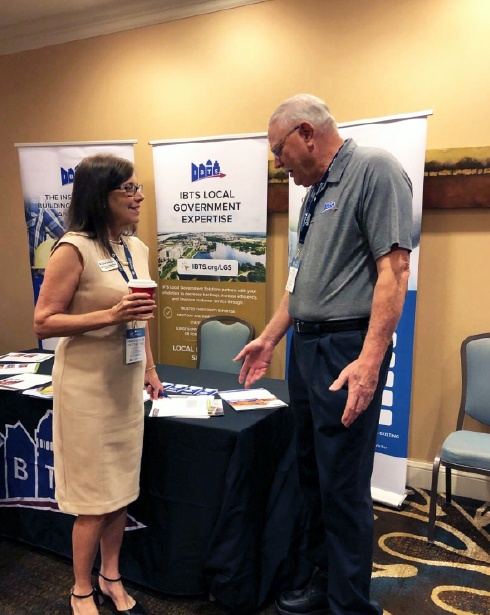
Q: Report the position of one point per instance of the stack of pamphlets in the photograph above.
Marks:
(25, 357)
(191, 390)
(251, 399)
(187, 407)
(43, 392)
(183, 389)
(207, 392)
(23, 381)
(18, 368)
(21, 368)
(173, 388)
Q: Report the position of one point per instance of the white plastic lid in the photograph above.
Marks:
(142, 284)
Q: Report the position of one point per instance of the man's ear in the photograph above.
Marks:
(307, 130)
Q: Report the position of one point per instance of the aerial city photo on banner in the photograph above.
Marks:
(212, 215)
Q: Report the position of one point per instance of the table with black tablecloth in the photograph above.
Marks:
(220, 508)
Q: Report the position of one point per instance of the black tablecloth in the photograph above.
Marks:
(220, 501)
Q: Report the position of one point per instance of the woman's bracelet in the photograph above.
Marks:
(148, 368)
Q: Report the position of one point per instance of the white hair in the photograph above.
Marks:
(304, 107)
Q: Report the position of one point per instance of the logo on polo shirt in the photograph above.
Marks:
(328, 206)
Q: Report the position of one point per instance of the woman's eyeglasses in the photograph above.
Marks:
(131, 189)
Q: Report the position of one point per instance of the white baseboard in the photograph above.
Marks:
(477, 486)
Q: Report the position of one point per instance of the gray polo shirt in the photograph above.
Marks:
(364, 212)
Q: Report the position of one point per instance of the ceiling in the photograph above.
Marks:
(31, 24)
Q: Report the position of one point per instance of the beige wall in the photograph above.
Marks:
(225, 73)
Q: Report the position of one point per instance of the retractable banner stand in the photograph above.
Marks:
(211, 197)
(405, 137)
(47, 171)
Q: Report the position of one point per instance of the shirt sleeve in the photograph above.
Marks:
(386, 205)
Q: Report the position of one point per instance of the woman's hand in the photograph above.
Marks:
(136, 306)
(152, 384)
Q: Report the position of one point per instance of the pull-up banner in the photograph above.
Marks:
(47, 171)
(405, 137)
(211, 197)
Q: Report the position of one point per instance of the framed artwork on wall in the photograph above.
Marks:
(277, 190)
(457, 178)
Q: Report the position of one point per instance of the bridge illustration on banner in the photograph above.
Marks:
(27, 479)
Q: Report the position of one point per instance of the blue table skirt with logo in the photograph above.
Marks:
(220, 508)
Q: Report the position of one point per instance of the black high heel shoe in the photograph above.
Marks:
(93, 593)
(136, 609)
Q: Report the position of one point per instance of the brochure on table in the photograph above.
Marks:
(43, 392)
(18, 368)
(23, 381)
(187, 407)
(251, 399)
(26, 357)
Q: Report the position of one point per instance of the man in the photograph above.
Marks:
(345, 294)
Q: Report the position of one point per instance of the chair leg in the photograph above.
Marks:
(433, 498)
(448, 485)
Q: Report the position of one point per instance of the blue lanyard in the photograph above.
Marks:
(130, 263)
(312, 201)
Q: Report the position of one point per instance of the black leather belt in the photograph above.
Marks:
(331, 326)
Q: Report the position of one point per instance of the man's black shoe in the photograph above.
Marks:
(311, 600)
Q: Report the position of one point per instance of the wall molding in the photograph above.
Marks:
(477, 486)
(97, 21)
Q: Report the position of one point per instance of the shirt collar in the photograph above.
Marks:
(341, 161)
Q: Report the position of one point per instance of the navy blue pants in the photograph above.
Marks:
(335, 465)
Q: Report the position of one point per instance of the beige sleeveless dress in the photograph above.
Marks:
(98, 400)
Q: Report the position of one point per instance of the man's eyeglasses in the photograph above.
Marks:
(131, 189)
(277, 149)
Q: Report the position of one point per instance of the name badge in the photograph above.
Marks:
(135, 344)
(107, 265)
(293, 272)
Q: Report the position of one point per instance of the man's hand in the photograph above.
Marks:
(257, 355)
(389, 294)
(362, 380)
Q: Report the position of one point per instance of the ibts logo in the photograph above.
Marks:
(204, 171)
(67, 177)
(27, 468)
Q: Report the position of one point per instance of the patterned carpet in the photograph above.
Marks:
(413, 577)
(410, 577)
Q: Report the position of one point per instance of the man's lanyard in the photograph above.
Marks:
(312, 202)
(130, 263)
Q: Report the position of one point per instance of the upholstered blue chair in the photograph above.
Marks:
(219, 340)
(467, 450)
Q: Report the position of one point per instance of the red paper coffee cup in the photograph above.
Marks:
(148, 287)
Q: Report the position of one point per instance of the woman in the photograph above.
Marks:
(98, 399)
